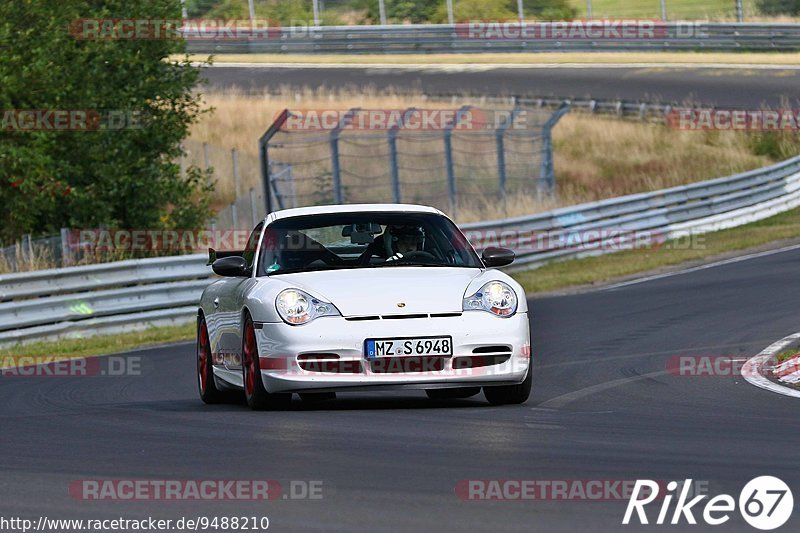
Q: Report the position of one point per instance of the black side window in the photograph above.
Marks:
(252, 244)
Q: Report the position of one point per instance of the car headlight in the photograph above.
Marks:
(495, 297)
(297, 307)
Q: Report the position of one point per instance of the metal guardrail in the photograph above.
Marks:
(443, 38)
(103, 275)
(114, 297)
(609, 225)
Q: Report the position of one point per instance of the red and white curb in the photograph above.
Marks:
(788, 371)
(755, 368)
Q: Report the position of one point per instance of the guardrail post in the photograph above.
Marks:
(448, 157)
(739, 11)
(499, 133)
(382, 12)
(263, 149)
(27, 248)
(501, 165)
(315, 11)
(393, 165)
(66, 253)
(392, 139)
(336, 174)
(251, 8)
(236, 180)
(451, 178)
(547, 180)
(273, 184)
(253, 212)
(336, 171)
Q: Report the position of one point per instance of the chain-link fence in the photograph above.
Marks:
(459, 159)
(37, 253)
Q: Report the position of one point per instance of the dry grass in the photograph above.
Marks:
(595, 157)
(35, 258)
(601, 157)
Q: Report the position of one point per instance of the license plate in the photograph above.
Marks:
(414, 346)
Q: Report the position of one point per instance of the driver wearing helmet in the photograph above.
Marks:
(401, 240)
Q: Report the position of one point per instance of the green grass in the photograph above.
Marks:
(787, 354)
(651, 9)
(604, 268)
(101, 344)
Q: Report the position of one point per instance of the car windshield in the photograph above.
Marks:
(363, 240)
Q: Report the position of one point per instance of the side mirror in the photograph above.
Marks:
(497, 257)
(232, 267)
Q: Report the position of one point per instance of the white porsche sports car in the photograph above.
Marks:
(362, 297)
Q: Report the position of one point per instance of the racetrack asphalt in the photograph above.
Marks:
(602, 408)
(742, 87)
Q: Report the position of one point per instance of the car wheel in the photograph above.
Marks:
(510, 394)
(254, 392)
(209, 392)
(452, 394)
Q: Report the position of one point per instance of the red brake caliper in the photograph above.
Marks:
(250, 359)
(202, 356)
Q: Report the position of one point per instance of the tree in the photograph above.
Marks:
(778, 7)
(115, 178)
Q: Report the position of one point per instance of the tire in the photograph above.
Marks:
(209, 392)
(452, 394)
(511, 394)
(254, 392)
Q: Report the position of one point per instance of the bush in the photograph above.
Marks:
(464, 10)
(125, 178)
(778, 7)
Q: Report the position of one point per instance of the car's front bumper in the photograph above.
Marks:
(280, 345)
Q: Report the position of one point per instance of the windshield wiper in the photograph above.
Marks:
(408, 263)
(306, 269)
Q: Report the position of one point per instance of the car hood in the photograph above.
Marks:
(378, 291)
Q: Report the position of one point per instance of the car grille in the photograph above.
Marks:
(483, 356)
(328, 363)
(401, 317)
(394, 365)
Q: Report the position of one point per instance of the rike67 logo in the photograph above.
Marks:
(765, 503)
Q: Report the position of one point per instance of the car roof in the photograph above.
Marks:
(351, 208)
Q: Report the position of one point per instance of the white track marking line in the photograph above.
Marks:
(454, 67)
(564, 399)
(752, 368)
(700, 267)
